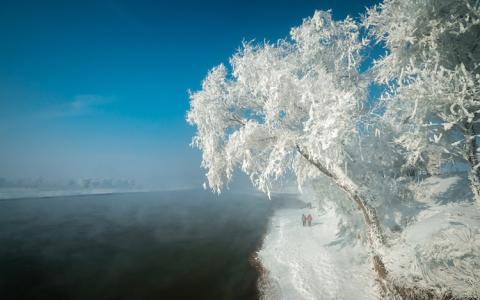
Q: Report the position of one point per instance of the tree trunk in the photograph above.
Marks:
(387, 284)
(375, 235)
(369, 214)
(471, 144)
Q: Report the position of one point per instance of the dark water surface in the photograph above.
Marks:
(168, 245)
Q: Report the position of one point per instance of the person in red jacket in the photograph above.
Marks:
(309, 219)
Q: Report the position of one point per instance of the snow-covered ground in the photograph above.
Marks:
(440, 249)
(306, 263)
(436, 250)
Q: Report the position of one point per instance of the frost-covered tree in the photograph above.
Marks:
(287, 108)
(432, 69)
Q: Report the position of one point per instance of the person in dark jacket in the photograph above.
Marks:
(304, 220)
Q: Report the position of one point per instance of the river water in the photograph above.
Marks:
(187, 244)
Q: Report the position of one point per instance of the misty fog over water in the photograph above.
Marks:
(163, 245)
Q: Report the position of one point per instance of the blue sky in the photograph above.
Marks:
(99, 88)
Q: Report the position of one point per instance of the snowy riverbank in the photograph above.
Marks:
(436, 250)
(306, 263)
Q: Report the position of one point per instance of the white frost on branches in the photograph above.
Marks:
(432, 68)
(301, 92)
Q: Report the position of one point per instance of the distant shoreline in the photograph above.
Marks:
(42, 194)
(60, 193)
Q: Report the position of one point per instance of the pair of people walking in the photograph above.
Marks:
(307, 220)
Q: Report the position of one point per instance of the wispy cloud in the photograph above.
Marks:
(80, 105)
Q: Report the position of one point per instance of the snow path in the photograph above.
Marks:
(300, 263)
